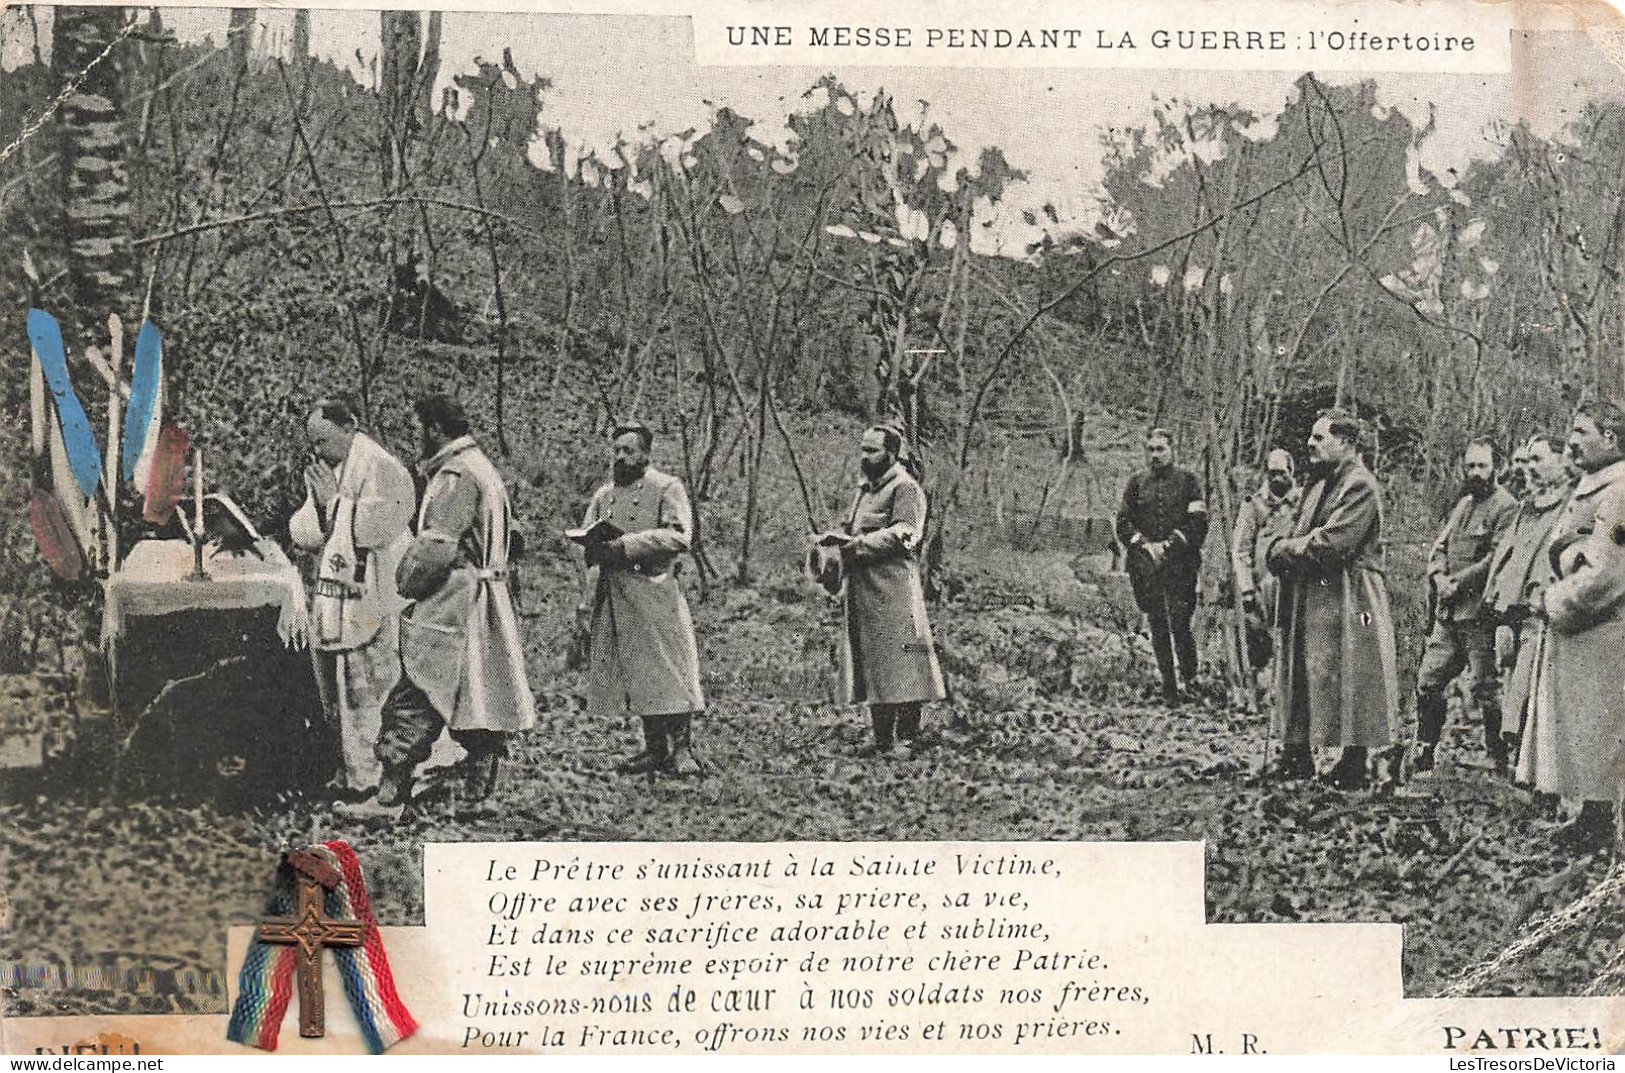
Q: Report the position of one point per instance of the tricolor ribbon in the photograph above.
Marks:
(266, 984)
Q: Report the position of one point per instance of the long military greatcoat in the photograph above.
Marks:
(1337, 666)
(1574, 745)
(460, 637)
(643, 658)
(1520, 570)
(887, 654)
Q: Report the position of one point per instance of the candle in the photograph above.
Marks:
(197, 496)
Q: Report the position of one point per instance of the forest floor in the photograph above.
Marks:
(1044, 740)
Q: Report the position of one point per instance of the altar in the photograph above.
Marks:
(211, 681)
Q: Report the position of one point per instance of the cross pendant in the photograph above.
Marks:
(311, 932)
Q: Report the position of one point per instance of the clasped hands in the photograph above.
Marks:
(1155, 550)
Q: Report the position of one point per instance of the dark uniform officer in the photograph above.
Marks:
(1162, 524)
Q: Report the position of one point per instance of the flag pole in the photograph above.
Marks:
(198, 573)
(110, 472)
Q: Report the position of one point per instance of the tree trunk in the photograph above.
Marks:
(301, 39)
(401, 39)
(241, 35)
(96, 182)
(429, 71)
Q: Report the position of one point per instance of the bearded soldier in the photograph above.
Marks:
(1520, 570)
(1266, 515)
(644, 660)
(1463, 634)
(888, 658)
(462, 665)
(357, 510)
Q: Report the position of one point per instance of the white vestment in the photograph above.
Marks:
(355, 613)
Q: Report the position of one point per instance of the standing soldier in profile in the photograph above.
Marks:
(1520, 570)
(1336, 675)
(356, 515)
(643, 659)
(1574, 743)
(888, 658)
(1463, 633)
(1266, 515)
(461, 661)
(1162, 524)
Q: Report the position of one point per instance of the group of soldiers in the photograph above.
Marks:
(414, 635)
(1526, 595)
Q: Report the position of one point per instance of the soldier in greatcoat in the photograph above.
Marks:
(1574, 743)
(643, 659)
(463, 668)
(888, 658)
(1520, 570)
(1463, 633)
(1162, 523)
(1264, 516)
(1336, 674)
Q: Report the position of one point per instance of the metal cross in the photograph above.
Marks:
(311, 932)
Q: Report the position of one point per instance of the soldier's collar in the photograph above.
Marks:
(1590, 482)
(431, 465)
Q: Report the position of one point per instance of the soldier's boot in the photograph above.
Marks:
(1592, 829)
(388, 803)
(1430, 716)
(908, 722)
(1295, 762)
(1489, 708)
(1163, 645)
(1349, 773)
(655, 752)
(480, 780)
(884, 721)
(682, 763)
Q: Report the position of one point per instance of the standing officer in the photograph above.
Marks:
(1162, 523)
(888, 658)
(1463, 634)
(645, 661)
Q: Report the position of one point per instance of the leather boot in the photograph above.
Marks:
(680, 733)
(389, 803)
(1592, 829)
(1431, 712)
(885, 726)
(1295, 762)
(908, 722)
(481, 778)
(1350, 773)
(654, 753)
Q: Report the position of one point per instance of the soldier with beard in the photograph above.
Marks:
(888, 657)
(1266, 515)
(1336, 678)
(644, 659)
(1463, 633)
(1519, 572)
